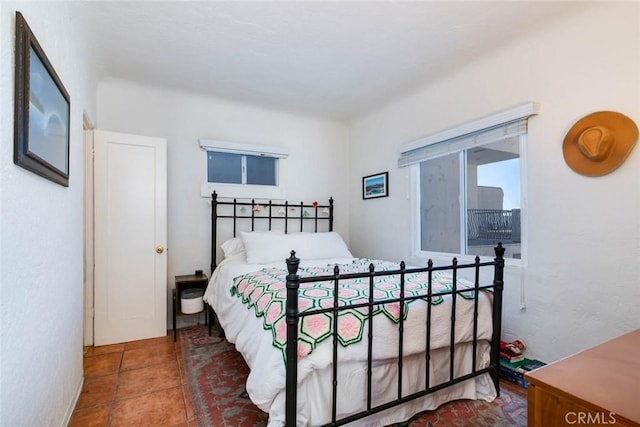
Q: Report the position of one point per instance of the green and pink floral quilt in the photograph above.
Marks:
(265, 292)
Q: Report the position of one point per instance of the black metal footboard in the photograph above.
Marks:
(293, 317)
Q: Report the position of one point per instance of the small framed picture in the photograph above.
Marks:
(374, 186)
(41, 137)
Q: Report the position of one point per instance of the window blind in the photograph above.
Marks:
(247, 149)
(498, 127)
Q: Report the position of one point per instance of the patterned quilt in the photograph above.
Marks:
(265, 292)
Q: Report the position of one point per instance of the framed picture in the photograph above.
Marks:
(374, 186)
(41, 127)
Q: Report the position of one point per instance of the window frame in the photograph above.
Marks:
(242, 190)
(416, 220)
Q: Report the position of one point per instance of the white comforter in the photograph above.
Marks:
(266, 381)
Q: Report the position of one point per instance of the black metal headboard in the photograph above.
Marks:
(268, 212)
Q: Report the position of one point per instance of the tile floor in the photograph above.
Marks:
(139, 383)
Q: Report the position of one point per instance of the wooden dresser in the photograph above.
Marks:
(597, 387)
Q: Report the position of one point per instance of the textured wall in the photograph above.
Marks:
(41, 240)
(580, 281)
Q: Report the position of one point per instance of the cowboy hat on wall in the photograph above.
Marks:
(599, 143)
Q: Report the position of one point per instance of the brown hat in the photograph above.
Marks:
(599, 142)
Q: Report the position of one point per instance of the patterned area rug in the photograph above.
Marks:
(216, 374)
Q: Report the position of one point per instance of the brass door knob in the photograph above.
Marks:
(159, 249)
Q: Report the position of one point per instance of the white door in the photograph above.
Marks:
(130, 186)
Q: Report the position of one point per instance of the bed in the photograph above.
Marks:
(334, 340)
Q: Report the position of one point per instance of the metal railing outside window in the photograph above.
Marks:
(493, 225)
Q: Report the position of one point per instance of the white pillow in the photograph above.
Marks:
(322, 246)
(235, 245)
(232, 247)
(268, 248)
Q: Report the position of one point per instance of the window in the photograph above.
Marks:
(469, 190)
(232, 168)
(242, 170)
(470, 200)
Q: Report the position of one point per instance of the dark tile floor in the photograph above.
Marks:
(138, 383)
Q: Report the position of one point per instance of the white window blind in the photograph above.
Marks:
(498, 127)
(248, 149)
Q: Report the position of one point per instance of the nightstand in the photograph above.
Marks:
(183, 283)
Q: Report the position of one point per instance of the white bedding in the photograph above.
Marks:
(266, 381)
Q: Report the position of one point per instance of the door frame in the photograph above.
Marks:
(88, 258)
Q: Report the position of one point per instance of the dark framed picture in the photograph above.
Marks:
(374, 186)
(42, 110)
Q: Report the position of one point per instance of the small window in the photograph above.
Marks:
(233, 168)
(241, 170)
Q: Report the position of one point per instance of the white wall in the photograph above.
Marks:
(316, 166)
(580, 283)
(41, 239)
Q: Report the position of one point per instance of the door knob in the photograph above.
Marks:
(159, 249)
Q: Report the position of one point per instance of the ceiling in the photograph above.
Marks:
(333, 59)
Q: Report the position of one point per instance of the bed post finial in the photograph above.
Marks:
(292, 263)
(499, 250)
(292, 319)
(214, 195)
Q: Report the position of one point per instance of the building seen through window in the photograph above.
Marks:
(470, 200)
